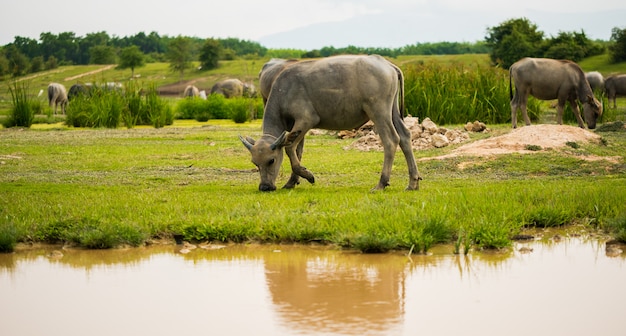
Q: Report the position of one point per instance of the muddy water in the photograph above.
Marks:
(567, 288)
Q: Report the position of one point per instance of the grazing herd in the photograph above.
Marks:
(344, 92)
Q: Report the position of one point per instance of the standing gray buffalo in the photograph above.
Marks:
(615, 86)
(228, 88)
(548, 79)
(596, 81)
(191, 91)
(57, 96)
(335, 93)
(269, 72)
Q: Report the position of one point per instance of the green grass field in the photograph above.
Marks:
(102, 188)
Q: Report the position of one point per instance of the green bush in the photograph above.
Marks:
(218, 107)
(241, 109)
(191, 108)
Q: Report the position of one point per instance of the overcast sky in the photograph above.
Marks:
(256, 19)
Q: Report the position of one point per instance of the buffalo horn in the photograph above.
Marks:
(279, 141)
(246, 142)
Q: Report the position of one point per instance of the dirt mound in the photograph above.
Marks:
(423, 136)
(529, 139)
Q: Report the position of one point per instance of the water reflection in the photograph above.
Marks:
(559, 288)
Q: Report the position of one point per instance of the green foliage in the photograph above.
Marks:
(8, 237)
(110, 108)
(458, 93)
(513, 40)
(102, 54)
(22, 110)
(242, 109)
(210, 54)
(179, 54)
(490, 234)
(617, 227)
(617, 49)
(131, 57)
(239, 109)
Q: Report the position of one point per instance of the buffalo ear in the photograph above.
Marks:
(247, 141)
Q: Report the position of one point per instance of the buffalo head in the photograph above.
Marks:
(267, 155)
(592, 109)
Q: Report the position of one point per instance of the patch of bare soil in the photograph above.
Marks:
(530, 139)
(110, 66)
(524, 140)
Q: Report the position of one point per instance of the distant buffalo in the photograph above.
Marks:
(596, 81)
(228, 88)
(548, 79)
(615, 86)
(78, 90)
(57, 96)
(191, 91)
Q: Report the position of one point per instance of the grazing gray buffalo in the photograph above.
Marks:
(615, 86)
(228, 88)
(548, 79)
(78, 90)
(191, 91)
(57, 96)
(334, 93)
(269, 72)
(249, 90)
(596, 81)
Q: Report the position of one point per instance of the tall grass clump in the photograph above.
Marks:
(456, 93)
(8, 238)
(104, 107)
(22, 111)
(158, 110)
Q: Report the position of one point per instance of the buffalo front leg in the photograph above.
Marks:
(297, 169)
(294, 180)
(576, 110)
(390, 140)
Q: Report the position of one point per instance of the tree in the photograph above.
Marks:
(102, 54)
(131, 57)
(617, 50)
(179, 53)
(513, 40)
(210, 54)
(19, 64)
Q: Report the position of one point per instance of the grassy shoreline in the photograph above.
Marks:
(100, 188)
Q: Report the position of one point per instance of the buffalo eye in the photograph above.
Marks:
(271, 162)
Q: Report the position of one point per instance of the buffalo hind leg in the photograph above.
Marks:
(390, 139)
(407, 150)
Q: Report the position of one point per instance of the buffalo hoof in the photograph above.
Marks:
(266, 187)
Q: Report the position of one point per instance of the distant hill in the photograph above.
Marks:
(394, 30)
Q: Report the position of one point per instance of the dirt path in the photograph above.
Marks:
(108, 67)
